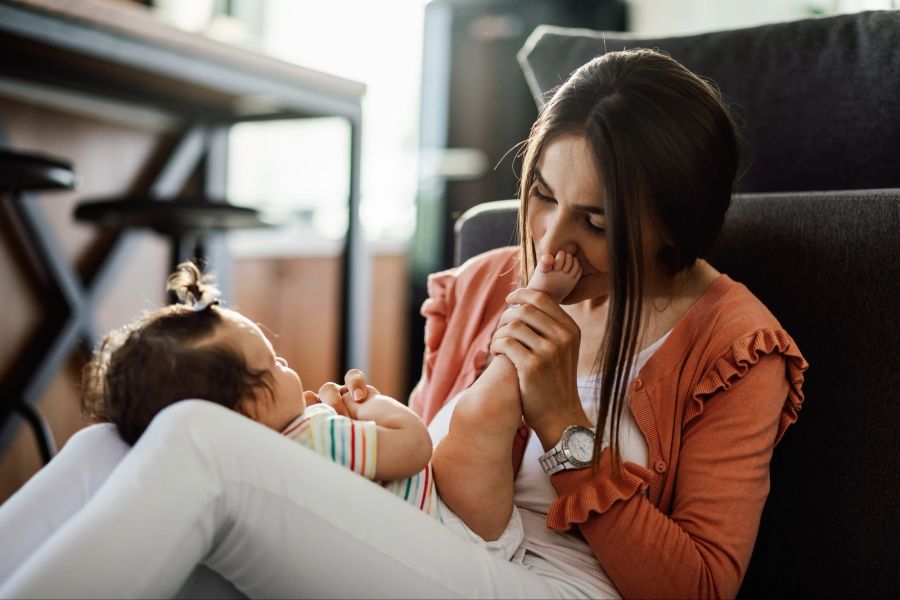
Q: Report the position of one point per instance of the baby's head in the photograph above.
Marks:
(195, 349)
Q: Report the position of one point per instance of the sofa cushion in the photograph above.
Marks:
(816, 99)
(827, 265)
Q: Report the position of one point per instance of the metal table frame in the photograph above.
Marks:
(120, 54)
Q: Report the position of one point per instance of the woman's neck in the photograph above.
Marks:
(662, 311)
(665, 306)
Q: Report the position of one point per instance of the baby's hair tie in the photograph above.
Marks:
(204, 303)
(192, 288)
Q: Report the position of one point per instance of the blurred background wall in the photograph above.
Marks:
(445, 107)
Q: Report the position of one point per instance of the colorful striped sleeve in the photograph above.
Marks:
(417, 490)
(353, 444)
(340, 439)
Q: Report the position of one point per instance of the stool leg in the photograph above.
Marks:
(42, 433)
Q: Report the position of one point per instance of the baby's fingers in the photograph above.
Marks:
(330, 394)
(349, 400)
(355, 383)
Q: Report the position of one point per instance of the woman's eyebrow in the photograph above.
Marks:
(542, 181)
(588, 208)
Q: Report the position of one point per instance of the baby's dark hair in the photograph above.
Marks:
(168, 355)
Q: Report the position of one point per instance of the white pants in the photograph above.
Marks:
(206, 485)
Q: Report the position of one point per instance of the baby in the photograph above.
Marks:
(198, 349)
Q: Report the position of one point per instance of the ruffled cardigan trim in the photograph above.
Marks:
(745, 353)
(596, 490)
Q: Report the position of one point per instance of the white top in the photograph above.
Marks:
(563, 556)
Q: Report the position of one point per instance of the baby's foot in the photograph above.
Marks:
(556, 276)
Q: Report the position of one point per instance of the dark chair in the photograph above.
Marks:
(816, 99)
(816, 103)
(828, 266)
(21, 173)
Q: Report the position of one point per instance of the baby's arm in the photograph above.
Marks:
(404, 446)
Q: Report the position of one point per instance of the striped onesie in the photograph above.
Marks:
(353, 444)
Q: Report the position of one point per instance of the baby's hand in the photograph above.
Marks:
(345, 399)
(356, 386)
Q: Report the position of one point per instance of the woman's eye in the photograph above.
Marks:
(595, 228)
(542, 197)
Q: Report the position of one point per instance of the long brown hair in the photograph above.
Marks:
(667, 149)
(166, 356)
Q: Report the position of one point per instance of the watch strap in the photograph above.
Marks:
(554, 461)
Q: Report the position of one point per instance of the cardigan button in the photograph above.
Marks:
(660, 466)
(636, 385)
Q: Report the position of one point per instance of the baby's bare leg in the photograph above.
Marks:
(473, 464)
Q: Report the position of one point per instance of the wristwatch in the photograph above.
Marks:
(574, 450)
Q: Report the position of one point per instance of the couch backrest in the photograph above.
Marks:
(827, 264)
(817, 100)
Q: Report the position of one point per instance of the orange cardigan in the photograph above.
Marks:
(711, 402)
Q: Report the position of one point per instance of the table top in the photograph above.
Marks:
(121, 50)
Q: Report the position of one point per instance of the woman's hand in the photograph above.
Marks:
(542, 341)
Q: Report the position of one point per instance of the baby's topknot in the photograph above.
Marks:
(193, 288)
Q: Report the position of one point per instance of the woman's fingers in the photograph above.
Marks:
(520, 356)
(541, 301)
(542, 341)
(526, 336)
(564, 331)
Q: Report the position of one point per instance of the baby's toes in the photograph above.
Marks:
(547, 263)
(576, 268)
(560, 262)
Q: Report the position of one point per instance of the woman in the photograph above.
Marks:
(688, 380)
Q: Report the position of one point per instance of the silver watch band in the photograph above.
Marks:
(553, 463)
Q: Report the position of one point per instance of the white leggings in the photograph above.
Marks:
(206, 485)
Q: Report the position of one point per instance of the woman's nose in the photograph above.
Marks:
(557, 237)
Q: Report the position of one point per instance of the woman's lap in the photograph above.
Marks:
(57, 492)
(205, 484)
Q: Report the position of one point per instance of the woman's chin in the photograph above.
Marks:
(592, 285)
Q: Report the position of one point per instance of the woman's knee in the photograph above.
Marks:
(198, 423)
(195, 420)
(97, 438)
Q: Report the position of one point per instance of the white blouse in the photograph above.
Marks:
(563, 556)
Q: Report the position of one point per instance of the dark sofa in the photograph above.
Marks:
(818, 240)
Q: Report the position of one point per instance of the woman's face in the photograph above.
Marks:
(565, 211)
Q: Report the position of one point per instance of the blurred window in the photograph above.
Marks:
(300, 169)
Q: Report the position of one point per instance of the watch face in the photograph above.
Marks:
(581, 446)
